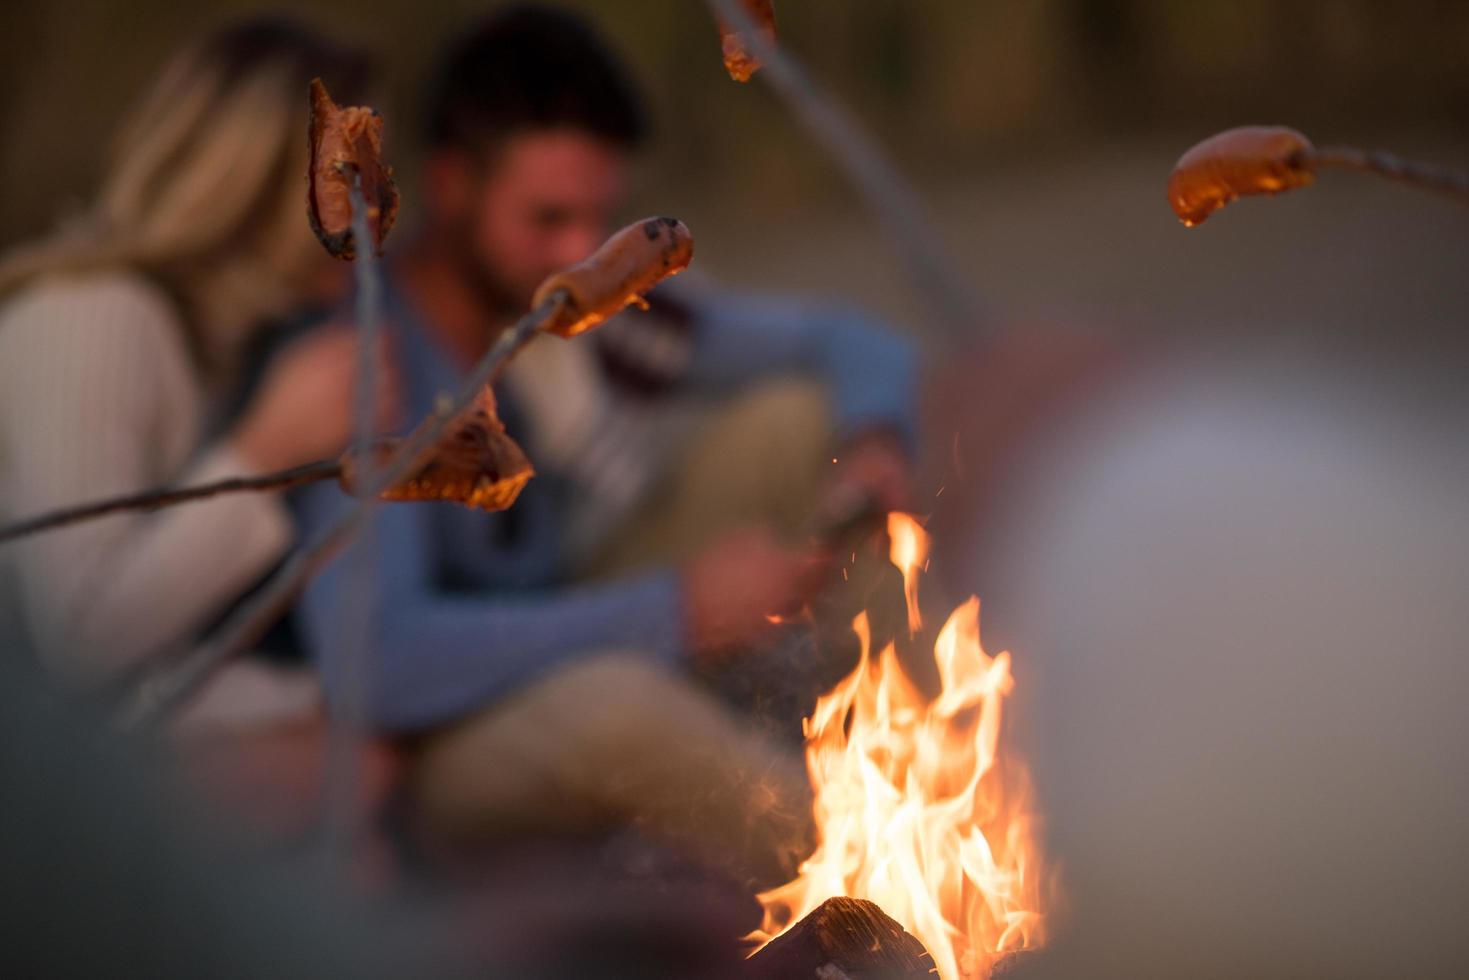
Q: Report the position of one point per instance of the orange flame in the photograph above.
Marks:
(917, 809)
(909, 551)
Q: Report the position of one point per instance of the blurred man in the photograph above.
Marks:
(542, 657)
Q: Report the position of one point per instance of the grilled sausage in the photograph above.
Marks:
(628, 264)
(1237, 162)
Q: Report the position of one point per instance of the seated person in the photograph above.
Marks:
(541, 658)
(119, 341)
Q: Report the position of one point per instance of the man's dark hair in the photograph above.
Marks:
(529, 67)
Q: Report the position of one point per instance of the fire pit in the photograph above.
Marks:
(928, 859)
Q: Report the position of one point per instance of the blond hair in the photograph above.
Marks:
(205, 190)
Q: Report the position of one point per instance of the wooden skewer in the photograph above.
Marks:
(327, 469)
(937, 278)
(1382, 164)
(1251, 160)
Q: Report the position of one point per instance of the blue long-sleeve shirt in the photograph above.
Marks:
(472, 606)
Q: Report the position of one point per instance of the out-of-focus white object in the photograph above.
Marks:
(1238, 598)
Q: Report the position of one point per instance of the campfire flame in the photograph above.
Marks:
(917, 808)
(909, 552)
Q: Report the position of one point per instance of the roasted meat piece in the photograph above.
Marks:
(476, 464)
(346, 144)
(738, 60)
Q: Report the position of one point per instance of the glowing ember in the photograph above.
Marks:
(916, 807)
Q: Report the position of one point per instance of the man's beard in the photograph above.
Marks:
(500, 299)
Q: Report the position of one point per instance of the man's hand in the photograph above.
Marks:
(739, 580)
(875, 466)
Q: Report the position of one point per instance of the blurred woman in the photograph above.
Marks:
(120, 335)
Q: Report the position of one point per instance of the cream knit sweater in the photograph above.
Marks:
(99, 397)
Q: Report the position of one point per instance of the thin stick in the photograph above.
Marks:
(169, 687)
(1444, 180)
(887, 193)
(327, 469)
(358, 598)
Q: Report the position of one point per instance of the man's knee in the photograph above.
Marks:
(762, 458)
(791, 414)
(618, 705)
(604, 710)
(539, 751)
(620, 737)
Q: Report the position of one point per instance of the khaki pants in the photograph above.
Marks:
(760, 459)
(617, 739)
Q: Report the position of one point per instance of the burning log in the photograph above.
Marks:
(843, 939)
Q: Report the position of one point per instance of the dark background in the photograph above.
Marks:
(1041, 132)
